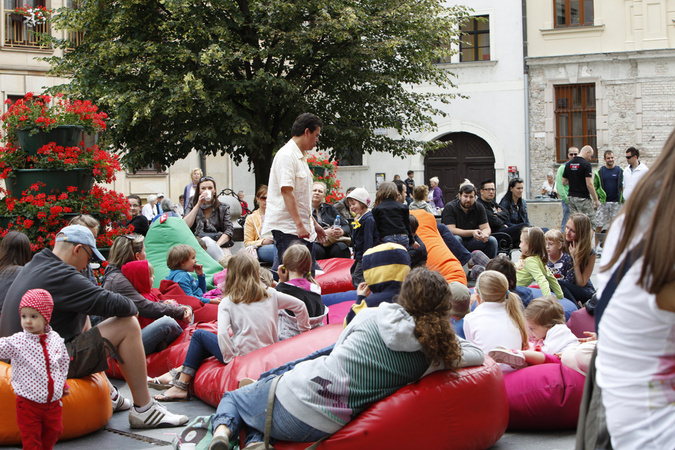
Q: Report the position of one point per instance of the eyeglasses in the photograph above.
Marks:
(629, 157)
(90, 254)
(207, 178)
(263, 198)
(572, 155)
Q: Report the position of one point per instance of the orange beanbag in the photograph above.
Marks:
(439, 258)
(85, 410)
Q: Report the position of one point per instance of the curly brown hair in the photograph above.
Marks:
(425, 295)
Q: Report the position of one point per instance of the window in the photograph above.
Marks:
(475, 43)
(349, 157)
(573, 13)
(575, 118)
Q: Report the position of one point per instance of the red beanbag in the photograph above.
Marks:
(581, 321)
(544, 397)
(337, 277)
(467, 409)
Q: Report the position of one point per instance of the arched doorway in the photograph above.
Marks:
(464, 156)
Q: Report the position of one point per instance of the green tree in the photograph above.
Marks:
(230, 76)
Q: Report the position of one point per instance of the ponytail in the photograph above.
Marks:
(492, 286)
(425, 295)
(514, 308)
(297, 258)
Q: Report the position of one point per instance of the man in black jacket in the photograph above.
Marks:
(497, 218)
(75, 297)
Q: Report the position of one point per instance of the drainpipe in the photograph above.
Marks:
(526, 89)
(202, 162)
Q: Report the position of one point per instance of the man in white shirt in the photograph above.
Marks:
(633, 173)
(289, 195)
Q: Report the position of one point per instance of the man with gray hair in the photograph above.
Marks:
(578, 175)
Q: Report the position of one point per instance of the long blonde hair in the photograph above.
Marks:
(653, 192)
(242, 283)
(492, 286)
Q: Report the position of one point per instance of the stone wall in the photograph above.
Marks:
(635, 104)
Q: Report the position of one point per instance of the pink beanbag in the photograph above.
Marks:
(544, 397)
(463, 410)
(337, 277)
(581, 321)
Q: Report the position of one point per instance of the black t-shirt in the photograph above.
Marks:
(495, 219)
(576, 171)
(140, 223)
(453, 214)
(409, 186)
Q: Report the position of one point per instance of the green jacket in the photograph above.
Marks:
(597, 183)
(559, 186)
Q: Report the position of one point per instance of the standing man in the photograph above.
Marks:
(409, 186)
(289, 195)
(578, 175)
(634, 171)
(468, 222)
(138, 220)
(608, 183)
(564, 189)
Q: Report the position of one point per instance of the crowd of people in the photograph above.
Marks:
(409, 319)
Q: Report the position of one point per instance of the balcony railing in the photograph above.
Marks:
(19, 35)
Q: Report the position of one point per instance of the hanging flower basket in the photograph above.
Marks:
(53, 181)
(63, 135)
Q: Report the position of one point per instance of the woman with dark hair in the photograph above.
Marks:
(264, 245)
(636, 350)
(14, 254)
(165, 328)
(514, 204)
(209, 219)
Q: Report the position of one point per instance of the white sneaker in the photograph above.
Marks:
(120, 403)
(513, 358)
(157, 416)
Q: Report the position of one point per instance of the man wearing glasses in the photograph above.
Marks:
(632, 173)
(497, 218)
(563, 189)
(75, 297)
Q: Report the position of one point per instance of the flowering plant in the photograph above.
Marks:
(43, 112)
(41, 216)
(38, 15)
(328, 175)
(102, 164)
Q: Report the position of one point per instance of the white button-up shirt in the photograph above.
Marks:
(289, 169)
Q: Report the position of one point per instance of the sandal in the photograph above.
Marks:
(180, 385)
(219, 443)
(156, 384)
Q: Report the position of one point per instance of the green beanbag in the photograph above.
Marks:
(162, 237)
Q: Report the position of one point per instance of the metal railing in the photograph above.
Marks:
(19, 35)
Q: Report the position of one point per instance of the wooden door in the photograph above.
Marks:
(465, 155)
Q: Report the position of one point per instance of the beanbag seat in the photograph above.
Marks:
(202, 312)
(581, 321)
(467, 409)
(544, 397)
(85, 410)
(162, 236)
(439, 258)
(337, 276)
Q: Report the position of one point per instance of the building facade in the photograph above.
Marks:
(602, 73)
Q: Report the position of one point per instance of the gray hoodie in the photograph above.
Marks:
(376, 355)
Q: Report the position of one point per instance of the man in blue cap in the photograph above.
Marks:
(75, 297)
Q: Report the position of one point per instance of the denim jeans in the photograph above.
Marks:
(400, 239)
(266, 253)
(203, 344)
(566, 215)
(163, 330)
(282, 241)
(471, 244)
(577, 293)
(455, 247)
(247, 408)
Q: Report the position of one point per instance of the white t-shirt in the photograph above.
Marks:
(489, 326)
(289, 168)
(636, 359)
(631, 178)
(558, 339)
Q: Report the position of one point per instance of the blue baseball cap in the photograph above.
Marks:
(77, 234)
